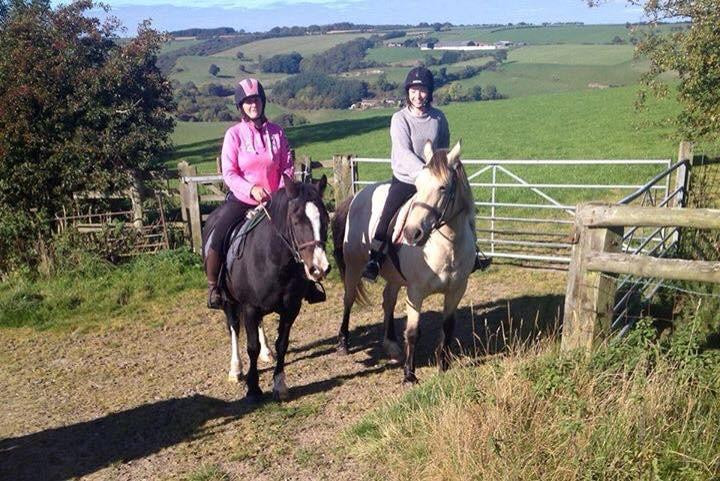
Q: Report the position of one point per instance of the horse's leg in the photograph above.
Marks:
(266, 354)
(390, 344)
(233, 322)
(351, 284)
(412, 333)
(280, 390)
(252, 319)
(452, 299)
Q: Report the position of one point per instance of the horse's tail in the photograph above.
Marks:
(339, 224)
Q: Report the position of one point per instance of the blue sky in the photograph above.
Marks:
(261, 15)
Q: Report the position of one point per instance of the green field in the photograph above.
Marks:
(172, 45)
(573, 54)
(577, 34)
(399, 55)
(194, 68)
(305, 45)
(533, 70)
(519, 80)
(589, 125)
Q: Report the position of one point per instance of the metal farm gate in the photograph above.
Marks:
(526, 208)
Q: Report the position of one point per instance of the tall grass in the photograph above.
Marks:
(638, 409)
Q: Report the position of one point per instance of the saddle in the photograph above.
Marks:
(395, 227)
(235, 239)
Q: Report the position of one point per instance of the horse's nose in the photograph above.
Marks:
(327, 271)
(315, 271)
(416, 235)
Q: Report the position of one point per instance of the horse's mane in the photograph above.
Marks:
(278, 208)
(438, 167)
(279, 204)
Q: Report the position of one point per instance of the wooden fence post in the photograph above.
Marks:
(303, 169)
(682, 180)
(190, 199)
(590, 296)
(342, 175)
(218, 165)
(135, 193)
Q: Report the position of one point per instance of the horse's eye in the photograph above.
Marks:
(442, 189)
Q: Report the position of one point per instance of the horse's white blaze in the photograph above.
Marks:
(235, 363)
(319, 257)
(279, 385)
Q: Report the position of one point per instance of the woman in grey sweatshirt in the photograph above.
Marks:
(410, 129)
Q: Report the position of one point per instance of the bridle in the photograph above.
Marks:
(440, 213)
(292, 243)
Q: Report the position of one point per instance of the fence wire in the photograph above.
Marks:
(652, 281)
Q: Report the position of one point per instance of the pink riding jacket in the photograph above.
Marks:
(255, 157)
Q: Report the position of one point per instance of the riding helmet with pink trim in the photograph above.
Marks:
(247, 88)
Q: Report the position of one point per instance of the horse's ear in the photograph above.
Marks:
(290, 187)
(428, 151)
(454, 155)
(321, 183)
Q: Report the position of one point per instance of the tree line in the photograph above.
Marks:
(90, 119)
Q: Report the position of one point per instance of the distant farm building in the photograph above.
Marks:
(465, 46)
(375, 104)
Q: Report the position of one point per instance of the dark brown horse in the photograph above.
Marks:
(279, 258)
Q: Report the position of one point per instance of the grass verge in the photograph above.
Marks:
(94, 290)
(638, 409)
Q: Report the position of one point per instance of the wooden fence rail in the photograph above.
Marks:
(192, 189)
(598, 234)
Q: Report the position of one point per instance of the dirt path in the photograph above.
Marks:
(148, 398)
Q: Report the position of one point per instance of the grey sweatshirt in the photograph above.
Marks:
(408, 135)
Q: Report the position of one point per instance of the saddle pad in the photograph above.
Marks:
(398, 222)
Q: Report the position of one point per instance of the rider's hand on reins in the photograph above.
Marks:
(259, 194)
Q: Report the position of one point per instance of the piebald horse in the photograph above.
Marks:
(281, 254)
(436, 255)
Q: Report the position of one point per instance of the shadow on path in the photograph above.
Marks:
(83, 448)
(484, 329)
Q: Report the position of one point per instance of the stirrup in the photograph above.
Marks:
(481, 264)
(372, 269)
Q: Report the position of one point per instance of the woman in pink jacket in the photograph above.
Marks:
(255, 155)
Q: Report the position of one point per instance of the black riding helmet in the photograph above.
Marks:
(421, 76)
(247, 88)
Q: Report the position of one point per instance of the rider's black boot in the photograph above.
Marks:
(212, 268)
(314, 292)
(372, 268)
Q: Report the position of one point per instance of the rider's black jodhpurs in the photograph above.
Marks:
(399, 193)
(230, 212)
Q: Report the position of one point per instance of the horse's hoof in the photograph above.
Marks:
(342, 348)
(393, 350)
(281, 395)
(235, 377)
(410, 380)
(254, 397)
